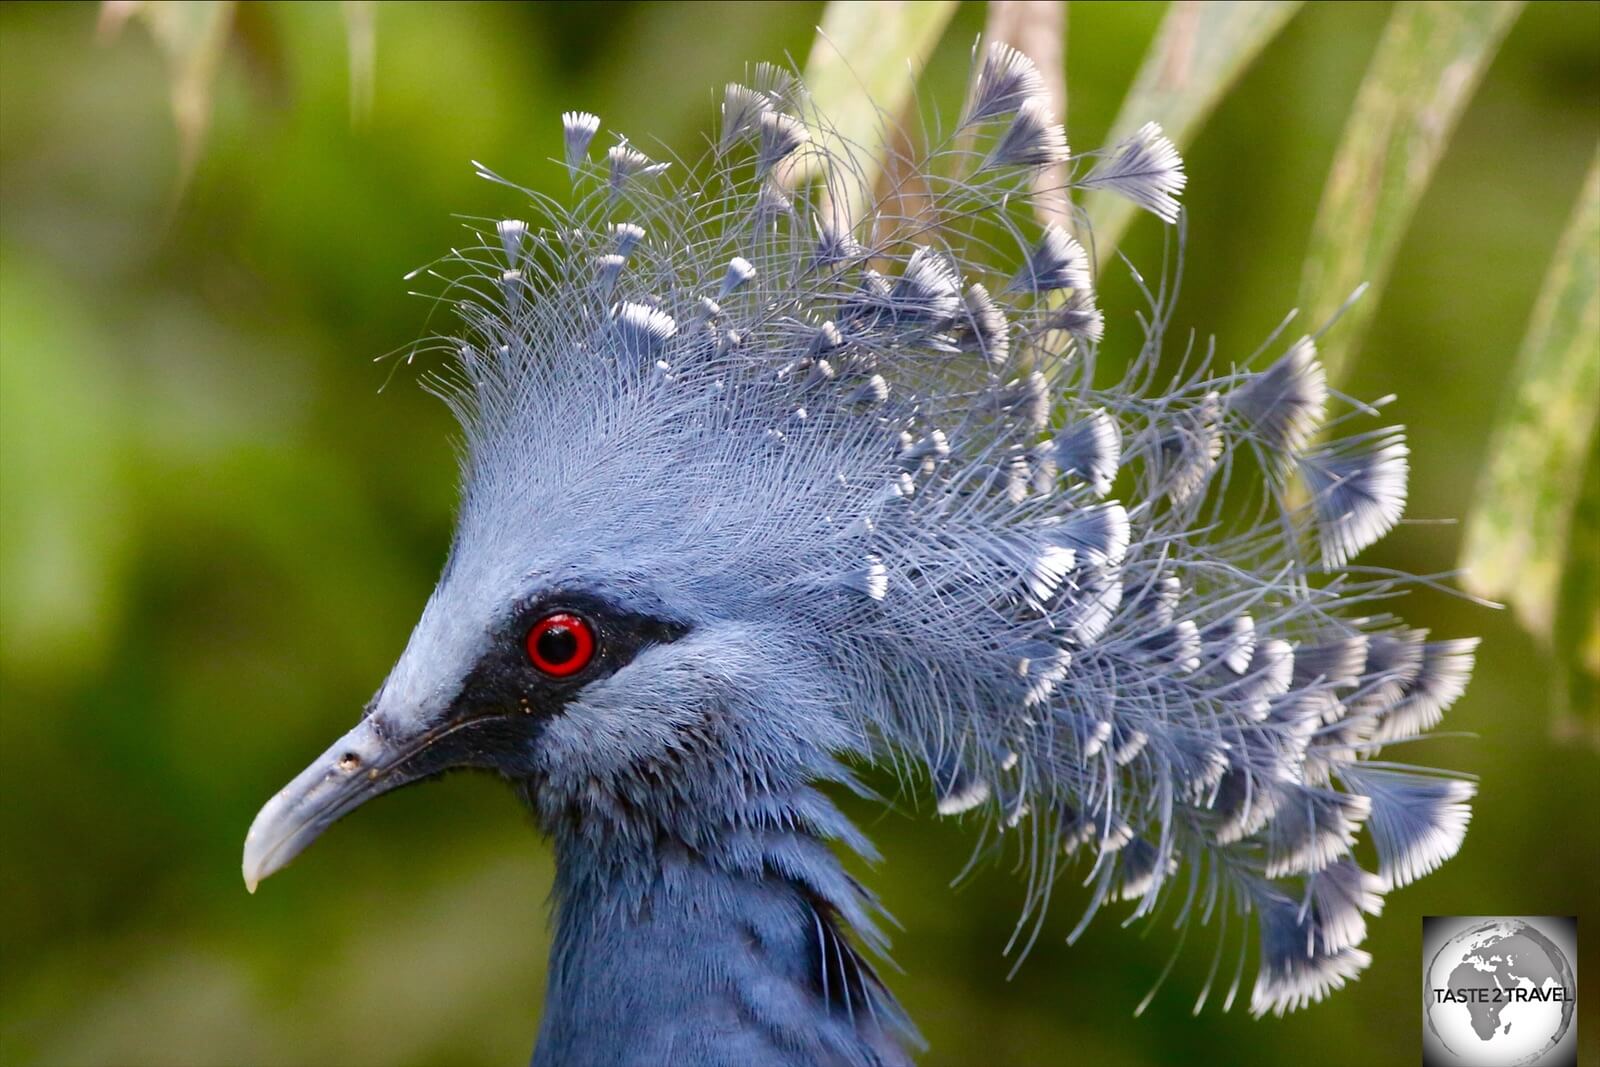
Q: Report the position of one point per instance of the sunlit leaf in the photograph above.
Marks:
(863, 66)
(1428, 62)
(1517, 537)
(1199, 52)
(1520, 533)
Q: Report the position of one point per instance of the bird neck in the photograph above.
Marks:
(732, 947)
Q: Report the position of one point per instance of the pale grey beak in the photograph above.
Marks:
(359, 766)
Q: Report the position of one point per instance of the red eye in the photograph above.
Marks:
(561, 644)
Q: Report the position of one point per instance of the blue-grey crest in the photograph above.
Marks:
(770, 471)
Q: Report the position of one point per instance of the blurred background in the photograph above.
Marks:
(218, 527)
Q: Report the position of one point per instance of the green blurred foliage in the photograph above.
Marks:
(217, 527)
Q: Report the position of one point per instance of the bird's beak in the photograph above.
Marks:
(361, 765)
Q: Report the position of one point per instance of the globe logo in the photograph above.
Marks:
(1500, 992)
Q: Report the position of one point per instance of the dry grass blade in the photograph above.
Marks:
(1199, 52)
(193, 37)
(361, 38)
(857, 71)
(1429, 59)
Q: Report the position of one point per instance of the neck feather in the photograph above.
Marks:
(728, 948)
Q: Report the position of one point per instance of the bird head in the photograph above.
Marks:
(637, 619)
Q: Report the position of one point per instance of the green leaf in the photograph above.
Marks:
(1199, 52)
(857, 71)
(1519, 533)
(1428, 61)
(1577, 637)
